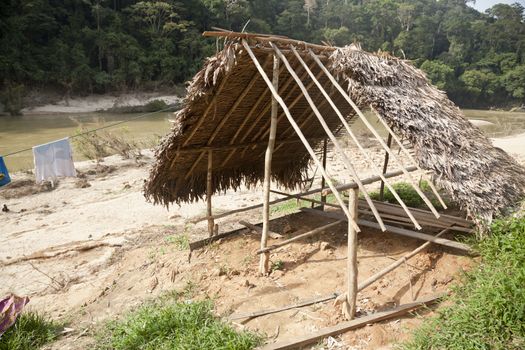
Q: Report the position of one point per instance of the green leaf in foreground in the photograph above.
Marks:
(487, 310)
(175, 325)
(30, 331)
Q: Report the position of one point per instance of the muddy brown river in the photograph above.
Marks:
(17, 133)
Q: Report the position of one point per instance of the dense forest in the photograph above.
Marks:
(99, 46)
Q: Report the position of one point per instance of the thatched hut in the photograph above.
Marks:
(239, 126)
(228, 108)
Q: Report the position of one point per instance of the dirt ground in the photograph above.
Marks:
(92, 248)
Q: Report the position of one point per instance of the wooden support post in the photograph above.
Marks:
(385, 166)
(349, 306)
(209, 191)
(264, 264)
(323, 184)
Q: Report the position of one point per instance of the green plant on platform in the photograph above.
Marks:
(487, 309)
(30, 331)
(408, 194)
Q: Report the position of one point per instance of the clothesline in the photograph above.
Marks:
(97, 129)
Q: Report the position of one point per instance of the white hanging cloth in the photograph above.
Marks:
(53, 160)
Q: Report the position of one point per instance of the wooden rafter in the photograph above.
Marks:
(330, 134)
(375, 133)
(359, 146)
(299, 132)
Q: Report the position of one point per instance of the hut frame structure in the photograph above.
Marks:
(296, 92)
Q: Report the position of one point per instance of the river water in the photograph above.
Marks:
(17, 133)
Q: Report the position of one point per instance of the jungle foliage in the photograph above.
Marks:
(99, 46)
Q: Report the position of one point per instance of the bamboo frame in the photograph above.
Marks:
(349, 307)
(408, 154)
(323, 184)
(385, 167)
(332, 137)
(374, 132)
(299, 132)
(209, 191)
(264, 263)
(361, 149)
(343, 187)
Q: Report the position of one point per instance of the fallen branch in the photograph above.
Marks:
(54, 252)
(250, 315)
(349, 325)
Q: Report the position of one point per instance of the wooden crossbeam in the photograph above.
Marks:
(396, 230)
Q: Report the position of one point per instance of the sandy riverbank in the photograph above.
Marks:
(96, 103)
(98, 248)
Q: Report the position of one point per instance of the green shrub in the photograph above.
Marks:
(155, 105)
(175, 325)
(487, 309)
(408, 194)
(30, 331)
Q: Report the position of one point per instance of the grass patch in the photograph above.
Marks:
(293, 205)
(181, 242)
(174, 325)
(488, 307)
(409, 195)
(30, 331)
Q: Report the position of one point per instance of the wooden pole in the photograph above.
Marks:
(396, 230)
(299, 132)
(209, 191)
(312, 338)
(298, 237)
(385, 166)
(323, 184)
(349, 306)
(264, 264)
(343, 187)
(396, 264)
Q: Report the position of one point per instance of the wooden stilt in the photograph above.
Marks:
(385, 166)
(209, 191)
(264, 264)
(323, 184)
(349, 306)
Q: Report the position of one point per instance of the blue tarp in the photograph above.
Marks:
(4, 175)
